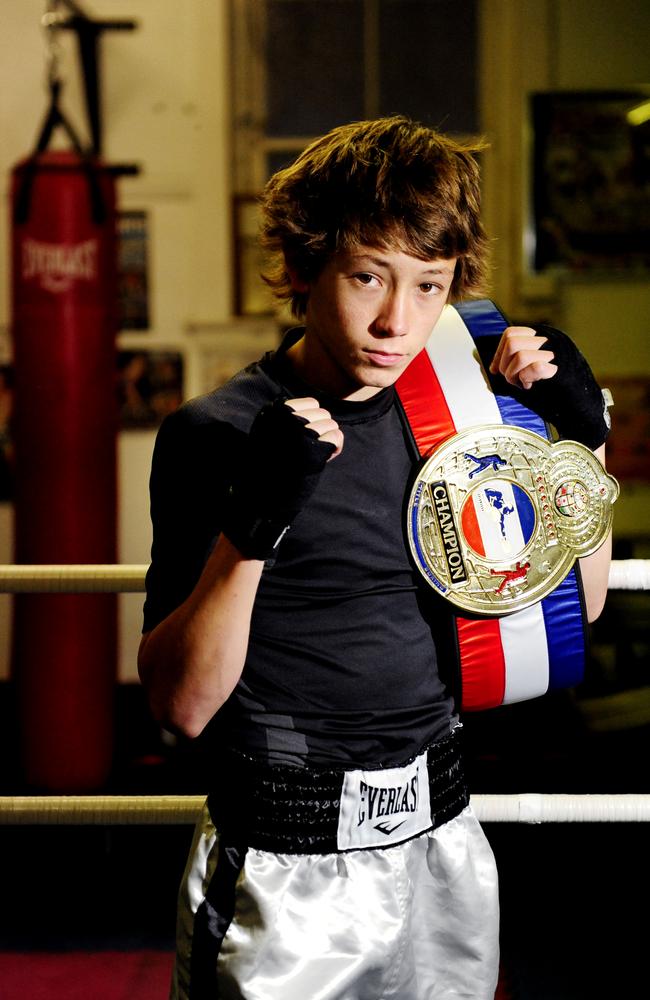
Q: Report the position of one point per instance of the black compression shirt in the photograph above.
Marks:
(341, 667)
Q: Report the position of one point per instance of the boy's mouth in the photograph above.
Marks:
(384, 358)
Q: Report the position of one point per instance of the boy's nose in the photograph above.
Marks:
(392, 320)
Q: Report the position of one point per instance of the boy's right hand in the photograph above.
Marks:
(289, 444)
(320, 421)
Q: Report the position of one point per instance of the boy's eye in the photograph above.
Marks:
(364, 278)
(427, 286)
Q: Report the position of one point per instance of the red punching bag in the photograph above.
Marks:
(63, 326)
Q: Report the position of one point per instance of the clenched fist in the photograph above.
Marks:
(290, 442)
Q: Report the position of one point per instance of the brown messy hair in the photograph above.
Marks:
(388, 183)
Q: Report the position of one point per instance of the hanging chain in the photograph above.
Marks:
(51, 22)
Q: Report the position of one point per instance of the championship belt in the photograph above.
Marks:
(497, 517)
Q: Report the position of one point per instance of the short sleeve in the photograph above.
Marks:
(190, 477)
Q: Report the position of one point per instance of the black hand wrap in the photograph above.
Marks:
(571, 400)
(277, 473)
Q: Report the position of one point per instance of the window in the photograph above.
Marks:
(300, 67)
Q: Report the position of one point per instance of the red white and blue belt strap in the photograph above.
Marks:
(443, 391)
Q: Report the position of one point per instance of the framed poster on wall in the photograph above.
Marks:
(591, 181)
(132, 270)
(150, 385)
(251, 296)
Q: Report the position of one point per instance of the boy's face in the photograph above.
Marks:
(369, 313)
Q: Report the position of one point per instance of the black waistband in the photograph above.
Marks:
(295, 810)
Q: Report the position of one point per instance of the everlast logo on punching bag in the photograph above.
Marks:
(384, 807)
(56, 266)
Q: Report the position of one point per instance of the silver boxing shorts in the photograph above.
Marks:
(416, 920)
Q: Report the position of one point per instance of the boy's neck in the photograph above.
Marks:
(304, 366)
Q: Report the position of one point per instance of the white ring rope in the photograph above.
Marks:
(550, 808)
(624, 574)
(129, 810)
(629, 574)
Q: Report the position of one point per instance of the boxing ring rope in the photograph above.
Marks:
(629, 574)
(167, 810)
(625, 574)
(107, 810)
(80, 579)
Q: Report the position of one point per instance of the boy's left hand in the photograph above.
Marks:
(522, 357)
(544, 370)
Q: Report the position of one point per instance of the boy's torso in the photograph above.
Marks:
(341, 667)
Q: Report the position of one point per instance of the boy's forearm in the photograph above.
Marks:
(190, 663)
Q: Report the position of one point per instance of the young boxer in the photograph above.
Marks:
(338, 857)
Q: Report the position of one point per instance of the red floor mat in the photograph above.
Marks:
(102, 975)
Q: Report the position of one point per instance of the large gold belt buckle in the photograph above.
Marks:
(498, 515)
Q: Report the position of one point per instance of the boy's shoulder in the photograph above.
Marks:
(236, 402)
